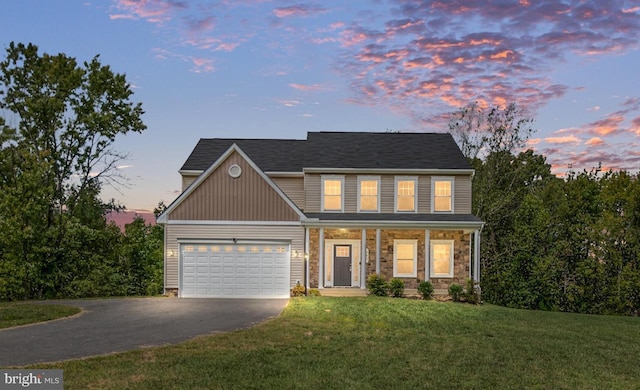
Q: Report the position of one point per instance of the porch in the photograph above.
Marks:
(340, 259)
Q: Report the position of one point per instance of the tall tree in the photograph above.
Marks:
(56, 156)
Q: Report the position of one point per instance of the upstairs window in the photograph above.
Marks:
(406, 200)
(442, 194)
(368, 193)
(332, 190)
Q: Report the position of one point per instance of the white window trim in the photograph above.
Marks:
(451, 259)
(415, 258)
(450, 179)
(332, 177)
(415, 193)
(369, 178)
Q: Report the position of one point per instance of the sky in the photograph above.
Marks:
(278, 69)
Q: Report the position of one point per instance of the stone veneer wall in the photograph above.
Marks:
(461, 257)
(387, 236)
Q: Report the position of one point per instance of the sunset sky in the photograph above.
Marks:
(277, 69)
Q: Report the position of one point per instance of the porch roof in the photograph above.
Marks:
(399, 220)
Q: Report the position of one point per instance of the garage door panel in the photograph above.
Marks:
(258, 270)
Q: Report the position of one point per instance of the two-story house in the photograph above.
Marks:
(257, 216)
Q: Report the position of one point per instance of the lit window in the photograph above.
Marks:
(441, 258)
(368, 191)
(188, 248)
(442, 199)
(242, 249)
(406, 194)
(332, 194)
(343, 251)
(267, 249)
(228, 248)
(255, 249)
(405, 259)
(215, 249)
(281, 249)
(202, 248)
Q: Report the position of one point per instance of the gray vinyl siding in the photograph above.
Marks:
(387, 193)
(351, 194)
(187, 180)
(312, 191)
(461, 197)
(424, 194)
(292, 234)
(293, 187)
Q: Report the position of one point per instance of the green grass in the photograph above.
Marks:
(385, 343)
(15, 314)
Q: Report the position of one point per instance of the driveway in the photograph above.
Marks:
(116, 325)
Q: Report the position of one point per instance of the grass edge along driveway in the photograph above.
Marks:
(385, 343)
(25, 313)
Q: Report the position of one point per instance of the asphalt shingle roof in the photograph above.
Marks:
(338, 150)
(271, 155)
(383, 150)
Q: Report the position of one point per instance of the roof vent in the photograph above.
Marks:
(235, 171)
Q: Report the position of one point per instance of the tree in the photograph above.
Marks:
(480, 131)
(55, 160)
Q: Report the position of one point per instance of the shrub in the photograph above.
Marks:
(471, 292)
(377, 285)
(425, 288)
(297, 290)
(313, 292)
(455, 291)
(396, 288)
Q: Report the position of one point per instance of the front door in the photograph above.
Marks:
(342, 265)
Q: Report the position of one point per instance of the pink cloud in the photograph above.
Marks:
(606, 126)
(511, 60)
(635, 125)
(595, 141)
(298, 10)
(563, 140)
(308, 87)
(154, 11)
(202, 65)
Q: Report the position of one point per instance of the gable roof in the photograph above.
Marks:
(338, 150)
(271, 155)
(164, 217)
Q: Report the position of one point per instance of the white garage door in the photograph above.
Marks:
(235, 270)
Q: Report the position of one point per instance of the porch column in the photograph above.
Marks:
(321, 259)
(363, 260)
(476, 257)
(427, 254)
(306, 257)
(378, 251)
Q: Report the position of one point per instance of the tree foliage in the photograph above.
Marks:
(569, 244)
(59, 122)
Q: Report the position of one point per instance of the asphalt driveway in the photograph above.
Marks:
(116, 325)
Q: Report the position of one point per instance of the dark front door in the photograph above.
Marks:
(342, 265)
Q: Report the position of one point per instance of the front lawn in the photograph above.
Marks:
(385, 343)
(18, 313)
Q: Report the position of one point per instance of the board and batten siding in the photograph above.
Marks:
(222, 198)
(211, 233)
(461, 196)
(293, 187)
